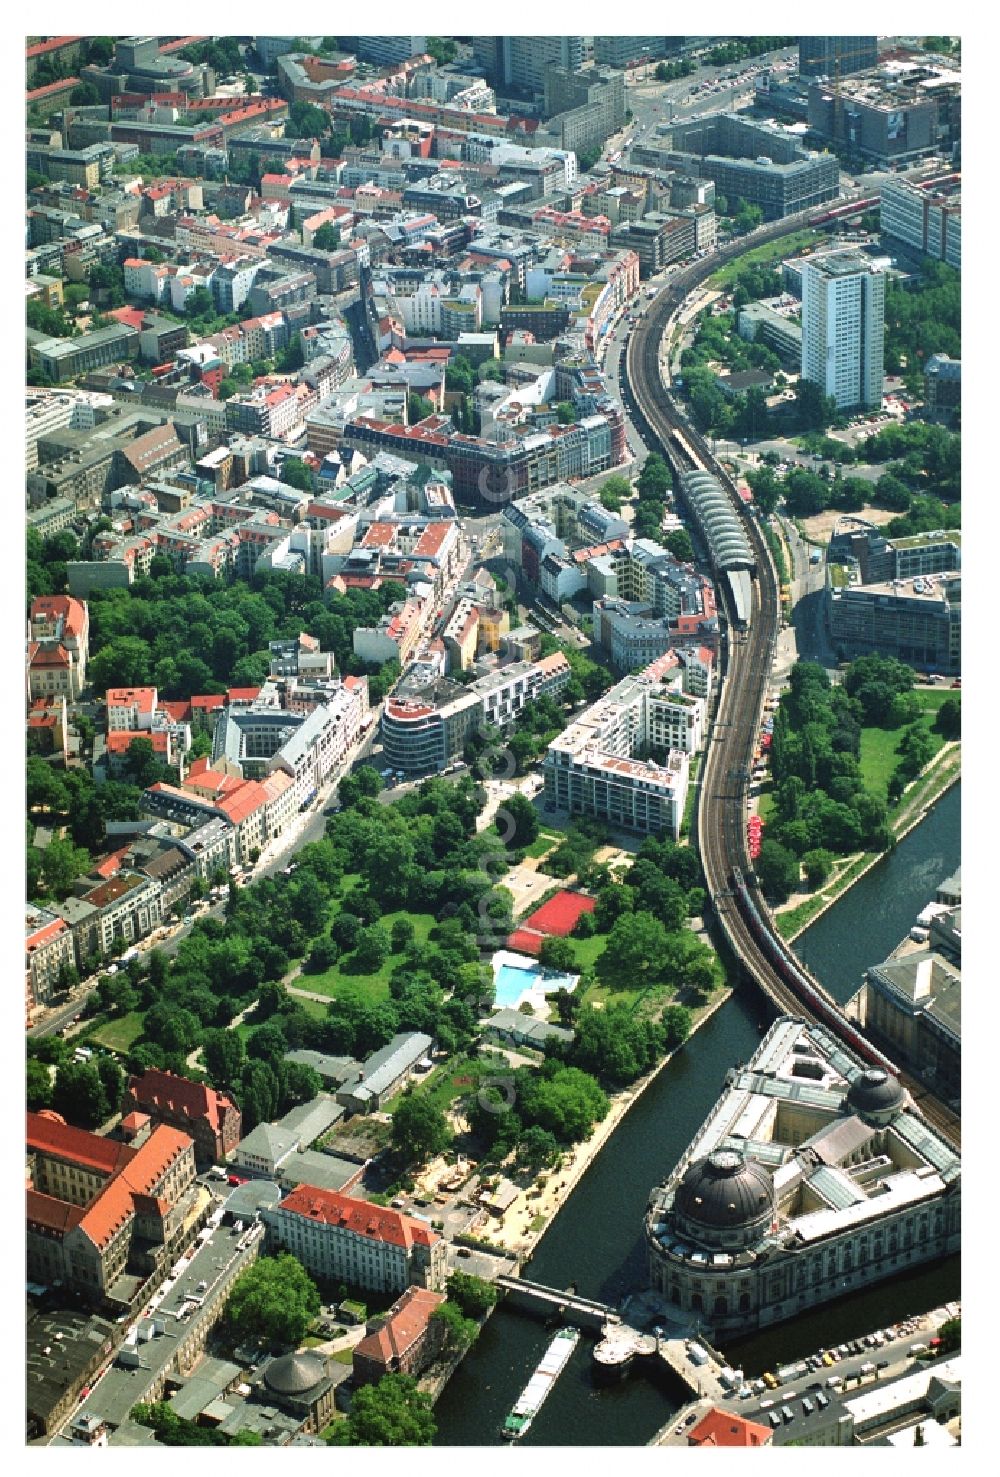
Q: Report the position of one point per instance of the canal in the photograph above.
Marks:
(597, 1240)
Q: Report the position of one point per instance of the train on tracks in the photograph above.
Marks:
(791, 974)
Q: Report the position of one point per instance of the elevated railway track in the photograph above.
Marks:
(747, 657)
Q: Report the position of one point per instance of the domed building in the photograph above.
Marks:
(876, 1096)
(299, 1384)
(812, 1177)
(724, 1200)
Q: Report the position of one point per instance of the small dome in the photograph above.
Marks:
(294, 1374)
(875, 1091)
(725, 1191)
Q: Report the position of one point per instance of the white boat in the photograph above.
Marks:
(536, 1391)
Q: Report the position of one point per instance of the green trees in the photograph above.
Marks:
(458, 1333)
(473, 1294)
(949, 718)
(777, 870)
(615, 1044)
(562, 1100)
(419, 1127)
(392, 1413)
(327, 238)
(275, 1300)
(637, 943)
(79, 1094)
(950, 1334)
(817, 865)
(679, 544)
(557, 953)
(524, 818)
(442, 49)
(537, 1149)
(39, 1083)
(297, 474)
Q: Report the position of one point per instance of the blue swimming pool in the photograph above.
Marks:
(511, 983)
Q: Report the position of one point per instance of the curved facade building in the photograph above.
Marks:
(813, 1176)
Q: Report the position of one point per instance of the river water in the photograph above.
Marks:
(597, 1242)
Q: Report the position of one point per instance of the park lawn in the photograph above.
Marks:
(588, 951)
(453, 1079)
(336, 981)
(878, 745)
(931, 698)
(542, 843)
(765, 802)
(774, 251)
(879, 758)
(119, 1034)
(600, 993)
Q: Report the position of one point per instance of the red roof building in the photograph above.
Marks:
(405, 1343)
(212, 1119)
(723, 1428)
(96, 1207)
(343, 1239)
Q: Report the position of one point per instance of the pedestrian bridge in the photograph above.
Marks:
(582, 1311)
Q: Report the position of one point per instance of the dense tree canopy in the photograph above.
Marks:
(275, 1300)
(391, 1413)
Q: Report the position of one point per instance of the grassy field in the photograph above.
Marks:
(878, 745)
(774, 251)
(452, 1080)
(543, 842)
(119, 1034)
(340, 980)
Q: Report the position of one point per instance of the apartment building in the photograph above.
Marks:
(404, 1342)
(590, 768)
(121, 910)
(68, 358)
(58, 647)
(913, 1005)
(925, 214)
(917, 620)
(48, 947)
(338, 1238)
(843, 328)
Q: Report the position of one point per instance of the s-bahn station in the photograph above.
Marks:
(813, 1176)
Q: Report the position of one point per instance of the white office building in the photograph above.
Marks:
(843, 327)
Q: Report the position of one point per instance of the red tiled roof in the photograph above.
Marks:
(243, 694)
(177, 712)
(208, 701)
(142, 1170)
(723, 1428)
(51, 607)
(249, 797)
(406, 1323)
(45, 934)
(121, 741)
(375, 1221)
(179, 1095)
(51, 1214)
(40, 48)
(143, 698)
(46, 1136)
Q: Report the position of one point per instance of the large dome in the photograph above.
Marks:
(294, 1374)
(875, 1092)
(725, 1191)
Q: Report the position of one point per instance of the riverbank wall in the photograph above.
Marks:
(587, 1152)
(952, 777)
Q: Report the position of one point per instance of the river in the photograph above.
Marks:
(597, 1239)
